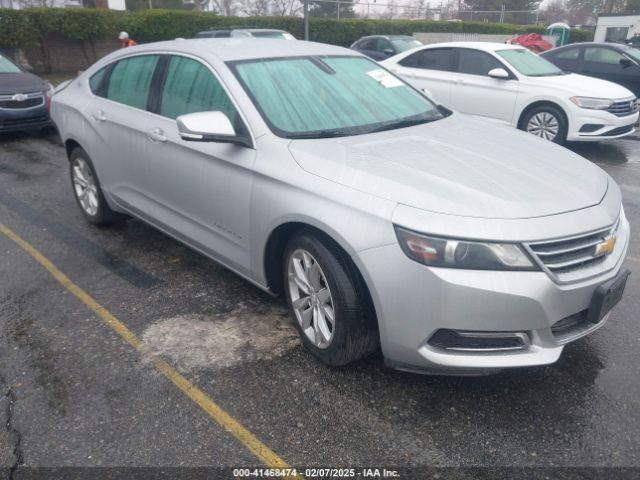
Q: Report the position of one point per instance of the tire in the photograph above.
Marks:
(93, 205)
(535, 120)
(354, 333)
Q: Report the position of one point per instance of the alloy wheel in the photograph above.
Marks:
(311, 298)
(544, 125)
(85, 186)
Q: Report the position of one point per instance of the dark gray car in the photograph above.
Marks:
(24, 98)
(615, 62)
(381, 47)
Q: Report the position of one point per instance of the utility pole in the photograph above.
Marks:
(306, 19)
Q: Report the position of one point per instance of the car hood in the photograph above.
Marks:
(581, 85)
(459, 166)
(20, 83)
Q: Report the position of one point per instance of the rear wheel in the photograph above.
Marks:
(86, 188)
(548, 122)
(330, 305)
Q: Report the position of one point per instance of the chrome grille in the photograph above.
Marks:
(572, 253)
(21, 101)
(625, 107)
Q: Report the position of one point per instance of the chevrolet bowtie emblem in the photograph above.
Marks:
(607, 246)
(19, 97)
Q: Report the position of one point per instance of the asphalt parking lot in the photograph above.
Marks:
(75, 393)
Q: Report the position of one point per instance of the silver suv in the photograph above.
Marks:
(388, 222)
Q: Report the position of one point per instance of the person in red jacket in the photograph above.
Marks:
(125, 41)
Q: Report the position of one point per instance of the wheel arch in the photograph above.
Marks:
(540, 103)
(273, 256)
(70, 145)
(276, 242)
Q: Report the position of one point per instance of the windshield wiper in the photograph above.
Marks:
(322, 134)
(402, 124)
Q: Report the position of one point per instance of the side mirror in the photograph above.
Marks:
(626, 62)
(498, 74)
(209, 127)
(388, 51)
(26, 67)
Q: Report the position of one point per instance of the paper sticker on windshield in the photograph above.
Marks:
(385, 78)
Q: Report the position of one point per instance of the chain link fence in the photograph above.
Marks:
(414, 10)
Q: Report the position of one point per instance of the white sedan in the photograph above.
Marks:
(510, 83)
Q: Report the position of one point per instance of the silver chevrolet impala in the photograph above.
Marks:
(390, 223)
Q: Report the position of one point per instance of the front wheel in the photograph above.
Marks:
(86, 188)
(548, 122)
(328, 300)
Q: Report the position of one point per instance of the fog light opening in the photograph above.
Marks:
(468, 341)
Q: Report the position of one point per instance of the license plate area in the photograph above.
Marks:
(607, 296)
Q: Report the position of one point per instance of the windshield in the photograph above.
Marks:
(285, 35)
(319, 97)
(7, 66)
(404, 44)
(529, 64)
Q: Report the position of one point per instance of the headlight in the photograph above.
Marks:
(443, 252)
(48, 88)
(592, 103)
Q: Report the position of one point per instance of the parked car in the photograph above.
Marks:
(512, 84)
(609, 61)
(24, 98)
(455, 244)
(380, 47)
(246, 32)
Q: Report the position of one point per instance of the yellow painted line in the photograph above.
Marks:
(259, 449)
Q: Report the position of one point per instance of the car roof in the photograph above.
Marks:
(388, 37)
(485, 46)
(591, 44)
(245, 48)
(244, 29)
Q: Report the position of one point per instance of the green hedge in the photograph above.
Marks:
(30, 27)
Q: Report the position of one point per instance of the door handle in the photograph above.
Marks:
(156, 135)
(99, 116)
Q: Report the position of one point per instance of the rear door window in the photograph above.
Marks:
(368, 44)
(568, 54)
(383, 44)
(602, 55)
(191, 87)
(130, 80)
(474, 62)
(430, 59)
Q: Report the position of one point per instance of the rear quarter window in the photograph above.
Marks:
(130, 80)
(96, 82)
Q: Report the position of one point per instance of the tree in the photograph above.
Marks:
(135, 5)
(35, 3)
(255, 8)
(495, 5)
(330, 9)
(226, 8)
(554, 11)
(285, 8)
(415, 9)
(633, 6)
(583, 12)
(391, 11)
